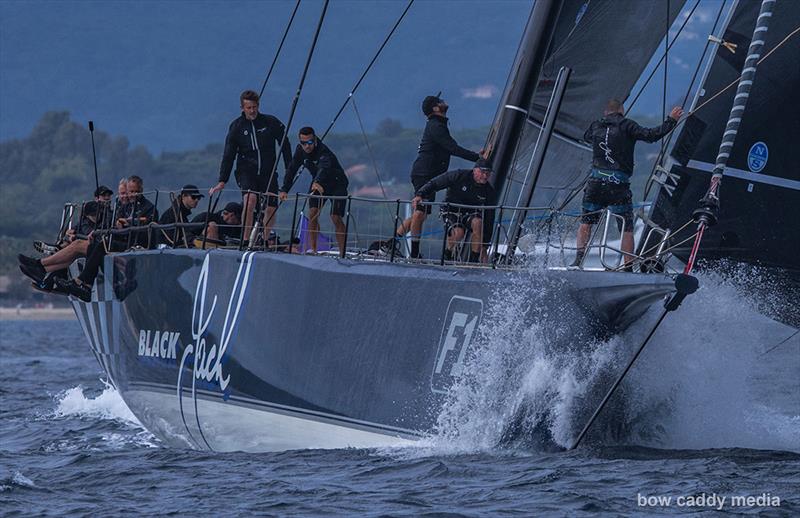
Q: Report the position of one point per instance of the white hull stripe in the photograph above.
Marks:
(747, 175)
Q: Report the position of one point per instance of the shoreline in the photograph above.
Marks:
(55, 313)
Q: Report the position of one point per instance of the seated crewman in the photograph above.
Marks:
(222, 225)
(179, 212)
(464, 187)
(92, 216)
(138, 212)
(327, 178)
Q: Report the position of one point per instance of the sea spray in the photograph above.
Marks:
(535, 375)
(526, 379)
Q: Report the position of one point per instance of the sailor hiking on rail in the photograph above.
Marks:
(252, 141)
(613, 139)
(435, 150)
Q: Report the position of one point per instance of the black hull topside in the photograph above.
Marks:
(227, 350)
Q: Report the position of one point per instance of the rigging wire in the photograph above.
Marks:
(369, 150)
(294, 105)
(663, 56)
(781, 343)
(668, 137)
(366, 70)
(280, 46)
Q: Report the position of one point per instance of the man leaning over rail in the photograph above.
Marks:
(251, 142)
(464, 187)
(613, 138)
(327, 178)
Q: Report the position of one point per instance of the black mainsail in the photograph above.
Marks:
(607, 44)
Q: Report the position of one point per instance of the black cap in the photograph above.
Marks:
(429, 102)
(484, 164)
(101, 191)
(191, 190)
(235, 208)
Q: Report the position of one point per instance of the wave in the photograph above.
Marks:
(702, 382)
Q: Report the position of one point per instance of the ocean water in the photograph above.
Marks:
(708, 415)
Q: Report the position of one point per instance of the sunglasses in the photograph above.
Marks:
(306, 142)
(196, 197)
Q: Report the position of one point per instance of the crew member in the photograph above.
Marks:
(179, 212)
(251, 142)
(92, 216)
(225, 224)
(327, 178)
(435, 150)
(613, 138)
(138, 211)
(464, 187)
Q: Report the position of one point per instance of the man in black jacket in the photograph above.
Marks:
(613, 139)
(464, 187)
(327, 178)
(435, 150)
(137, 212)
(179, 212)
(251, 141)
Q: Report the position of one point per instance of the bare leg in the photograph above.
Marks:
(340, 230)
(477, 238)
(269, 221)
(212, 232)
(627, 246)
(456, 235)
(404, 227)
(584, 231)
(249, 201)
(313, 227)
(65, 256)
(417, 219)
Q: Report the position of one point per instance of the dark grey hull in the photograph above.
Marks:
(227, 350)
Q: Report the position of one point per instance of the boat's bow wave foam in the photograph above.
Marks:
(534, 379)
(115, 424)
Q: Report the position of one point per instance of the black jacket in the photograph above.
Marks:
(252, 144)
(177, 213)
(322, 164)
(461, 188)
(435, 149)
(613, 138)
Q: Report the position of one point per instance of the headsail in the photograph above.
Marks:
(762, 177)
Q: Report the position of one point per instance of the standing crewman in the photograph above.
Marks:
(613, 139)
(327, 178)
(464, 187)
(435, 150)
(252, 141)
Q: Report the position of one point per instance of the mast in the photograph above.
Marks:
(513, 110)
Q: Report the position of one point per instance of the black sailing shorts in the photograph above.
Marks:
(616, 197)
(337, 206)
(258, 183)
(418, 182)
(459, 217)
